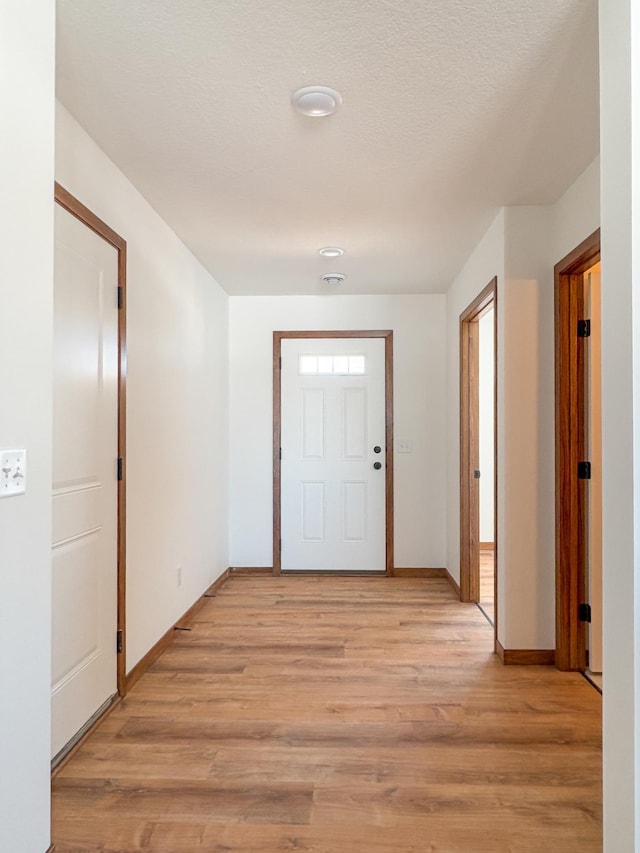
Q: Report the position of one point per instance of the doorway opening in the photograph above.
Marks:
(478, 452)
(578, 461)
(333, 451)
(89, 542)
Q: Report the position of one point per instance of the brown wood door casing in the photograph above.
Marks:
(469, 445)
(570, 444)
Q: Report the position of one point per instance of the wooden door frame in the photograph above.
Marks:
(571, 513)
(469, 445)
(278, 337)
(75, 207)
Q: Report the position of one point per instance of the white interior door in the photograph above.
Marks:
(85, 450)
(333, 454)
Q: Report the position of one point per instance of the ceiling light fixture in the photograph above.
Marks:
(333, 278)
(316, 101)
(331, 252)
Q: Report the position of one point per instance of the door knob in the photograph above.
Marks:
(476, 475)
(377, 465)
(377, 449)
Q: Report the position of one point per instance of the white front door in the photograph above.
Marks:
(333, 454)
(85, 450)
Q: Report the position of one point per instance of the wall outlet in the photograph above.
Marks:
(179, 575)
(13, 473)
(405, 445)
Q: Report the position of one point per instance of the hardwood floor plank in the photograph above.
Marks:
(487, 592)
(338, 714)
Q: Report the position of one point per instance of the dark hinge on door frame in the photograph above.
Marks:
(584, 612)
(584, 328)
(120, 464)
(120, 297)
(584, 470)
(119, 642)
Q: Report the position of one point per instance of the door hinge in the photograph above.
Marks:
(584, 470)
(120, 466)
(280, 453)
(584, 612)
(119, 645)
(280, 543)
(280, 362)
(120, 297)
(584, 328)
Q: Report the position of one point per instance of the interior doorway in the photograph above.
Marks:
(88, 543)
(486, 454)
(478, 467)
(578, 461)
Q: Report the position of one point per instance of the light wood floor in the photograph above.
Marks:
(487, 591)
(339, 715)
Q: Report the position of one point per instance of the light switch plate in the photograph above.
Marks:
(13, 473)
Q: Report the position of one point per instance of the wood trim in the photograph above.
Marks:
(67, 756)
(336, 333)
(167, 638)
(344, 573)
(75, 207)
(486, 546)
(276, 461)
(469, 448)
(529, 657)
(251, 570)
(278, 337)
(219, 582)
(395, 572)
(583, 257)
(469, 460)
(51, 849)
(388, 408)
(418, 573)
(571, 493)
(454, 583)
(122, 483)
(525, 657)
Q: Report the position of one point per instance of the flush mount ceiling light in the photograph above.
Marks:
(316, 101)
(333, 278)
(331, 252)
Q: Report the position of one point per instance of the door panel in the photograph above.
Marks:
(85, 442)
(333, 415)
(312, 423)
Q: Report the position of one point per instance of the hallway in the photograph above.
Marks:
(330, 714)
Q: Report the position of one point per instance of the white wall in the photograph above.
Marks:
(620, 238)
(577, 214)
(177, 398)
(27, 32)
(526, 557)
(418, 325)
(486, 421)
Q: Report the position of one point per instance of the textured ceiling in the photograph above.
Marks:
(451, 109)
